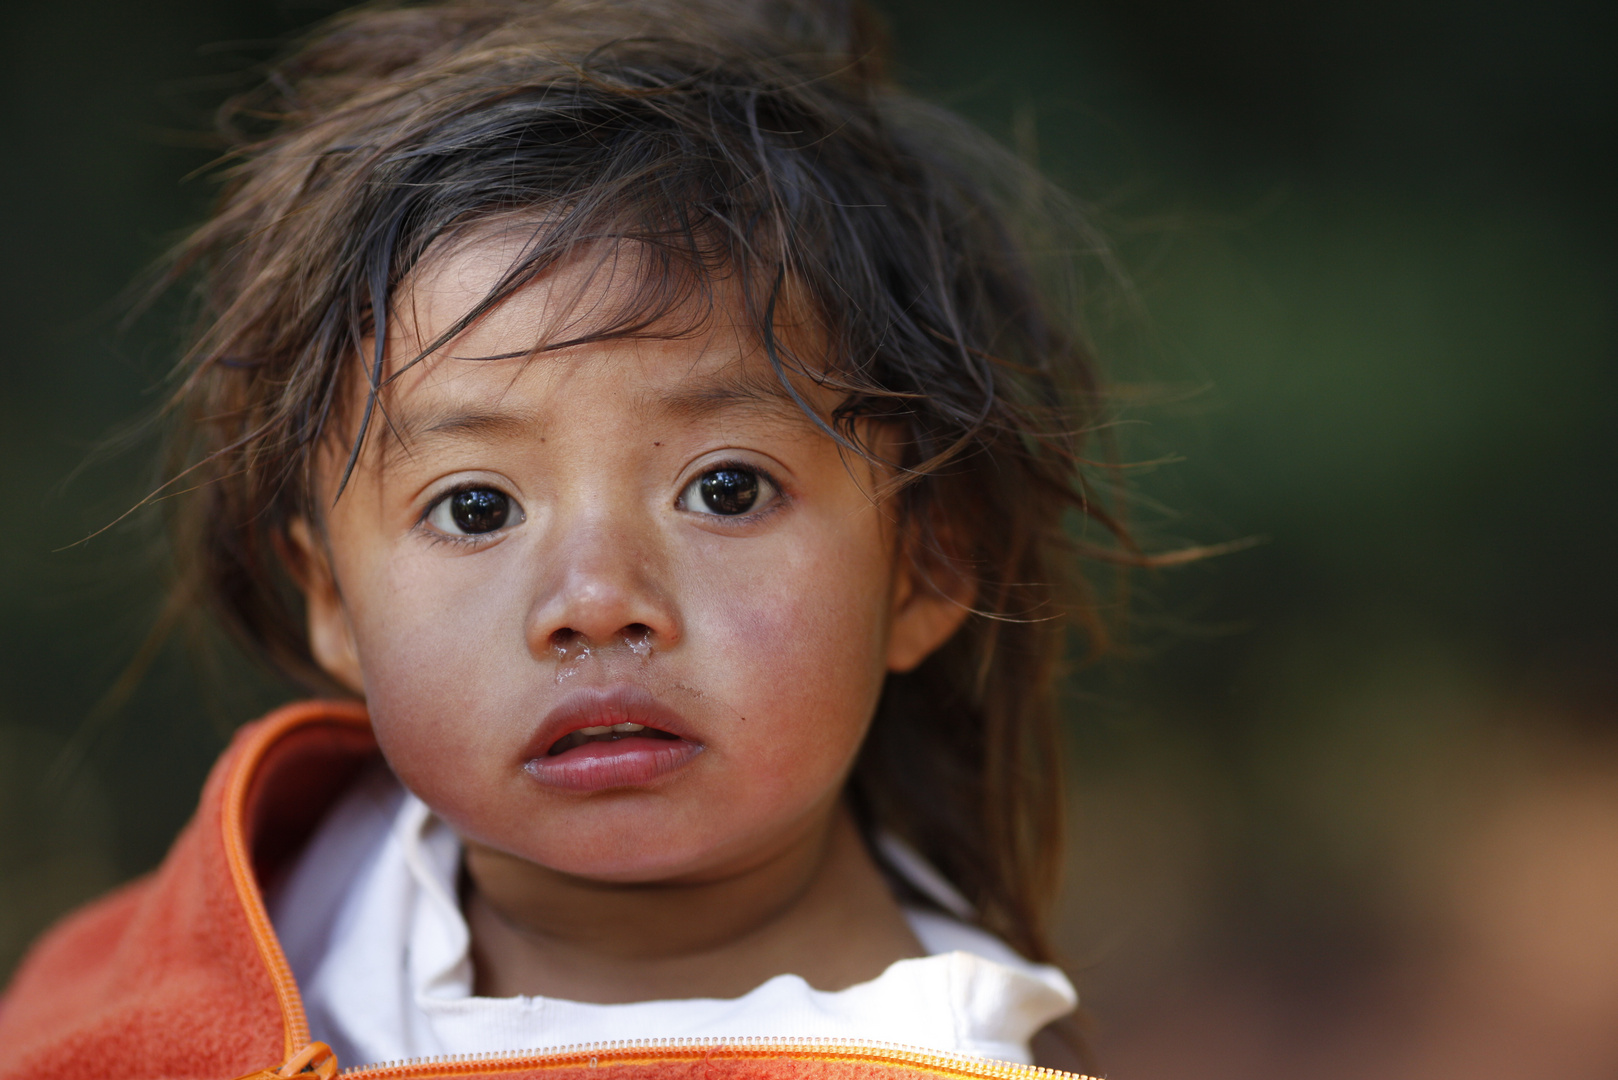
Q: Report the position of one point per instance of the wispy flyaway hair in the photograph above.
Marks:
(747, 153)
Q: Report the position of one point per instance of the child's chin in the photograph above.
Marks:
(648, 859)
(608, 766)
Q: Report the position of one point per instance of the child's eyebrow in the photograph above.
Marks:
(489, 424)
(728, 390)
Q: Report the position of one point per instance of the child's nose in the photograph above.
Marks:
(604, 591)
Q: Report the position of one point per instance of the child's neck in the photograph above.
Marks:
(818, 909)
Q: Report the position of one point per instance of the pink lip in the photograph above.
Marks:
(598, 766)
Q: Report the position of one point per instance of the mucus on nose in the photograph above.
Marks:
(572, 647)
(639, 640)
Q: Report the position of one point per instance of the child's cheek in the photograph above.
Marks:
(445, 698)
(802, 646)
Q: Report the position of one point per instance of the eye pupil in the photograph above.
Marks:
(729, 491)
(480, 510)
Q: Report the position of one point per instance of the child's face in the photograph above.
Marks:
(624, 533)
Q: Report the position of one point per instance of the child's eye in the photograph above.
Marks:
(473, 512)
(728, 491)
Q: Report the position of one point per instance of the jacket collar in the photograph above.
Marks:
(278, 779)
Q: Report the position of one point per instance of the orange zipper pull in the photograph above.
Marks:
(313, 1062)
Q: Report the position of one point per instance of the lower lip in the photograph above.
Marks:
(601, 766)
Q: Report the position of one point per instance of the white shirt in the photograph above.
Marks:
(380, 949)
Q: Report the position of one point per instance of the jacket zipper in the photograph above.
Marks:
(315, 1060)
(631, 1051)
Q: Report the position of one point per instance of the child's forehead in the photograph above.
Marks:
(612, 288)
(512, 367)
(580, 296)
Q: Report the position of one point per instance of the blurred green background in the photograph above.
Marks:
(1349, 802)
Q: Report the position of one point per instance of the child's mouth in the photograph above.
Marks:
(597, 739)
(606, 733)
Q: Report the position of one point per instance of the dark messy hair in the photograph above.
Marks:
(758, 143)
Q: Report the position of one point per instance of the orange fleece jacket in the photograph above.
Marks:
(179, 975)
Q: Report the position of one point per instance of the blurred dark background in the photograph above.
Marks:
(1348, 803)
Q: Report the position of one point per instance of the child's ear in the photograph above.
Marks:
(931, 599)
(331, 634)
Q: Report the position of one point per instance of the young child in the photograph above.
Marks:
(649, 415)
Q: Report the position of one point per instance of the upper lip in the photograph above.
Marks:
(590, 706)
